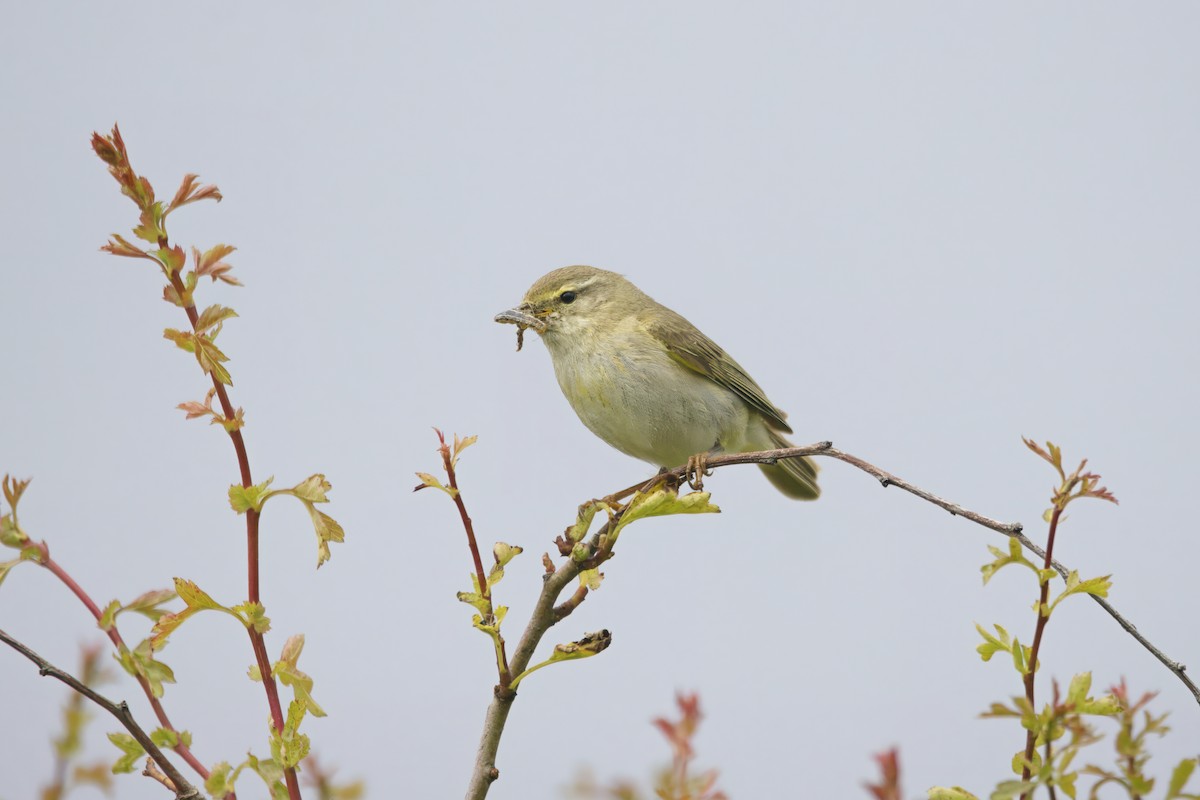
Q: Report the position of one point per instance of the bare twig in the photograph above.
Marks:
(183, 789)
(1013, 529)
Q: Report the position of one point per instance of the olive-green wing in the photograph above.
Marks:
(697, 352)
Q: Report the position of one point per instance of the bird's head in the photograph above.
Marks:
(571, 301)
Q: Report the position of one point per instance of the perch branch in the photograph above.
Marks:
(1013, 529)
(546, 615)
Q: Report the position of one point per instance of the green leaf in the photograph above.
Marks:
(1179, 778)
(1014, 556)
(253, 615)
(662, 502)
(171, 258)
(430, 481)
(950, 793)
(197, 600)
(993, 644)
(131, 750)
(213, 316)
(1019, 657)
(327, 530)
(1008, 790)
(184, 340)
(6, 566)
(1080, 685)
(219, 783)
(1093, 586)
(588, 646)
(244, 498)
(147, 604)
(481, 604)
(211, 359)
(591, 578)
(313, 489)
(290, 675)
(503, 553)
(164, 737)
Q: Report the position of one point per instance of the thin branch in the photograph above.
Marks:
(1043, 617)
(114, 636)
(1013, 529)
(257, 642)
(183, 789)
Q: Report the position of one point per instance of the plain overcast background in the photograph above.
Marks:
(925, 228)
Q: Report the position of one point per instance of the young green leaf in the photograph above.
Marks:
(244, 498)
(213, 316)
(130, 749)
(327, 530)
(1179, 778)
(949, 793)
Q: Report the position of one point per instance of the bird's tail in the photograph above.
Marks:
(795, 477)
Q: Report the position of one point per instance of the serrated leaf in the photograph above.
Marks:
(131, 752)
(662, 502)
(171, 258)
(109, 615)
(184, 340)
(313, 489)
(219, 783)
(244, 498)
(253, 615)
(212, 359)
(327, 530)
(164, 737)
(196, 600)
(212, 316)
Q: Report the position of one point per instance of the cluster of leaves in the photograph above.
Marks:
(1056, 732)
(11, 533)
(310, 491)
(288, 745)
(587, 553)
(675, 782)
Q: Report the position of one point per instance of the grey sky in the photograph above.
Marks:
(925, 228)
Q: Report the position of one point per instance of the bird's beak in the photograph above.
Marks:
(521, 317)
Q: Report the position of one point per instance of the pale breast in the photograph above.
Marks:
(645, 404)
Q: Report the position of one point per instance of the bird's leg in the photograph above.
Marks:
(697, 467)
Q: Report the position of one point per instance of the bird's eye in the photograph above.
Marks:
(567, 297)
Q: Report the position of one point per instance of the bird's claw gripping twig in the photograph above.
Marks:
(697, 470)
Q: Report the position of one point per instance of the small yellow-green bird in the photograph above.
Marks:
(647, 381)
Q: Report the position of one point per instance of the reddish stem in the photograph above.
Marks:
(115, 637)
(1037, 642)
(252, 517)
(484, 590)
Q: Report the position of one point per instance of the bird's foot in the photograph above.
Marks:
(696, 471)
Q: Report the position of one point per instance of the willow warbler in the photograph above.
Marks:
(645, 380)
